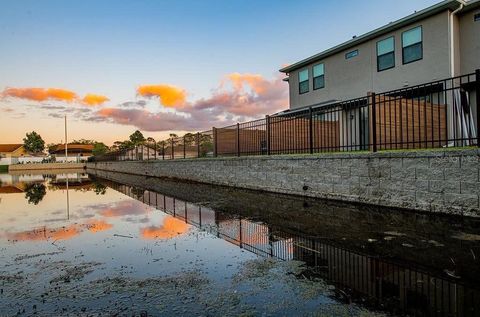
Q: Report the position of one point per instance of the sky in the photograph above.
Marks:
(162, 66)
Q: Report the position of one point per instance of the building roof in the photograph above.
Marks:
(10, 190)
(420, 15)
(73, 147)
(9, 147)
(471, 5)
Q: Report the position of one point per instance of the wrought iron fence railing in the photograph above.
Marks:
(438, 114)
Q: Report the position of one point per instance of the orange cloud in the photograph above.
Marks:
(171, 228)
(40, 94)
(251, 96)
(94, 100)
(170, 96)
(106, 112)
(256, 82)
(63, 233)
(98, 225)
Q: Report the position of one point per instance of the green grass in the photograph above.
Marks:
(3, 168)
(437, 149)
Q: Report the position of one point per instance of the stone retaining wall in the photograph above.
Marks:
(435, 181)
(45, 166)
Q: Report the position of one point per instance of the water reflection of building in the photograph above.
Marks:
(17, 183)
(396, 286)
(76, 181)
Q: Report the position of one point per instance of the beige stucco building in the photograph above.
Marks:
(12, 150)
(439, 42)
(16, 153)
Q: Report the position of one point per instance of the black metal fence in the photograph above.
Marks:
(442, 113)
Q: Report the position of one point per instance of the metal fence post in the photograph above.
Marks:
(310, 129)
(163, 150)
(155, 157)
(172, 143)
(374, 122)
(214, 130)
(267, 119)
(477, 96)
(198, 144)
(184, 147)
(238, 139)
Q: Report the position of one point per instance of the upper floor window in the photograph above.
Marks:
(351, 54)
(412, 46)
(476, 17)
(303, 81)
(318, 76)
(386, 54)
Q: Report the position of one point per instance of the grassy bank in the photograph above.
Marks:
(3, 168)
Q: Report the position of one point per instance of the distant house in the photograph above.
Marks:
(75, 152)
(16, 153)
(12, 150)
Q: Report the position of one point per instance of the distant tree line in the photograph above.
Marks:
(34, 143)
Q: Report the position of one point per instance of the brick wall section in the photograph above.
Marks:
(436, 181)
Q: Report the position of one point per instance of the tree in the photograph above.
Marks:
(138, 192)
(84, 141)
(137, 138)
(51, 147)
(206, 144)
(150, 140)
(161, 145)
(35, 192)
(189, 138)
(99, 148)
(99, 188)
(123, 145)
(33, 142)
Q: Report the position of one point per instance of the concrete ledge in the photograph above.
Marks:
(45, 166)
(444, 181)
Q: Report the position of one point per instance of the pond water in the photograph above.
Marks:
(113, 244)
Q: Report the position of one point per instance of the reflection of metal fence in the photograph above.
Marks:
(396, 286)
(432, 115)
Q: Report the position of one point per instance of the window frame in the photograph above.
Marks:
(313, 76)
(356, 52)
(421, 45)
(476, 17)
(300, 82)
(392, 52)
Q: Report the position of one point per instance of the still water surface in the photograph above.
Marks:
(74, 244)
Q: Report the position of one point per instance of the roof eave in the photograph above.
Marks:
(439, 7)
(471, 5)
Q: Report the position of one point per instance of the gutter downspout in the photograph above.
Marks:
(452, 37)
(453, 57)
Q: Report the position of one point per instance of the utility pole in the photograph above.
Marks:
(66, 142)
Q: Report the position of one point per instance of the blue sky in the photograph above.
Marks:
(112, 47)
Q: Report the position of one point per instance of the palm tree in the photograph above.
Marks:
(151, 141)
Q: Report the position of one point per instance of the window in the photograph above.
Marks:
(303, 81)
(318, 76)
(412, 45)
(386, 54)
(476, 17)
(351, 54)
